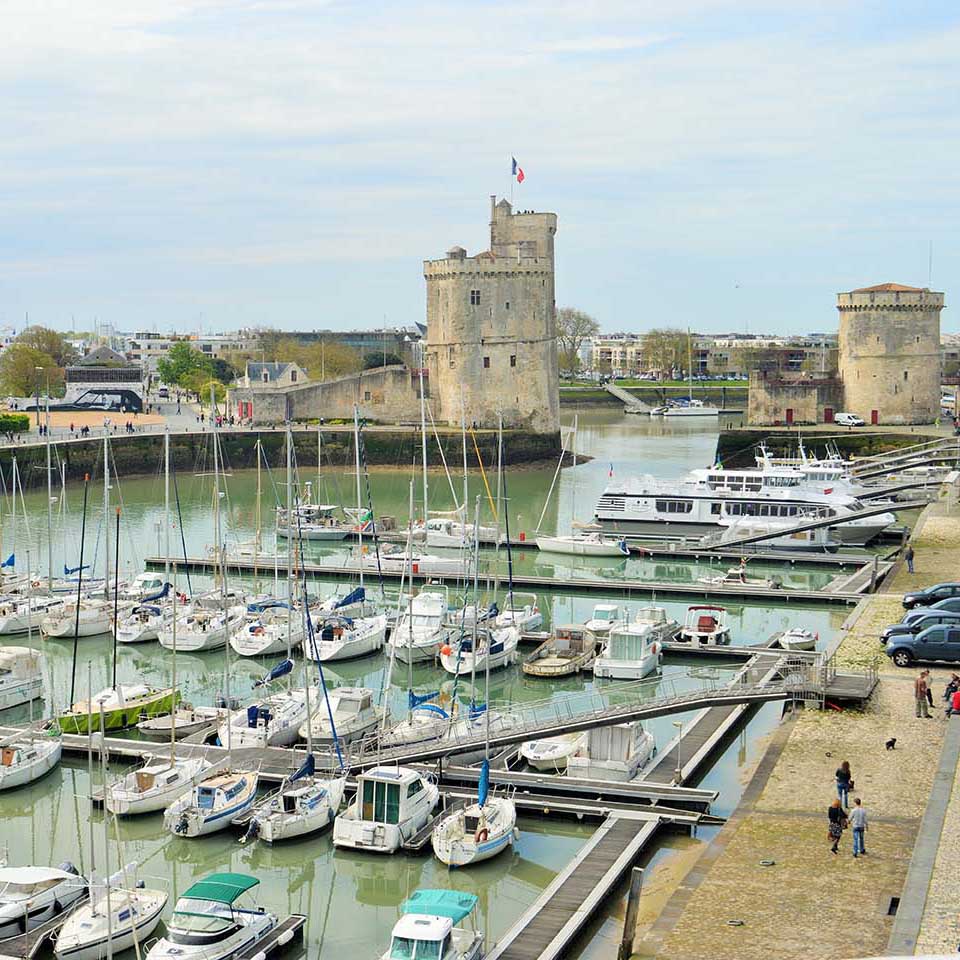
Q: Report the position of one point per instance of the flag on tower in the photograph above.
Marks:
(517, 171)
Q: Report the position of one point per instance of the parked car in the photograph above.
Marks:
(848, 420)
(930, 595)
(934, 643)
(925, 618)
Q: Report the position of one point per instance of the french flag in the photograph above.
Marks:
(517, 171)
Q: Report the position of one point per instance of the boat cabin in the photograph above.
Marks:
(629, 642)
(428, 928)
(351, 701)
(603, 617)
(386, 794)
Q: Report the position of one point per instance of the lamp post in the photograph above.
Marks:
(678, 774)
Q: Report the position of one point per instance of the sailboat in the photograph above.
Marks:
(692, 408)
(585, 540)
(21, 677)
(29, 754)
(270, 721)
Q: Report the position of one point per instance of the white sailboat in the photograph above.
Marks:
(353, 713)
(421, 630)
(142, 624)
(692, 408)
(28, 755)
(494, 647)
(21, 677)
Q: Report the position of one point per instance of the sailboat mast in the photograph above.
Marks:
(463, 438)
(106, 841)
(356, 451)
(76, 623)
(116, 601)
(423, 444)
(49, 507)
(106, 515)
(166, 507)
(290, 536)
(173, 673)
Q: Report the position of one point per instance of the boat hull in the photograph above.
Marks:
(571, 546)
(21, 775)
(16, 692)
(76, 946)
(120, 718)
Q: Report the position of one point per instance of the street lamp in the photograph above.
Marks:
(678, 774)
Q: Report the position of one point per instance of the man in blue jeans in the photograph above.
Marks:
(858, 821)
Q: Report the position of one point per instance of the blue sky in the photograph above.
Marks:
(290, 163)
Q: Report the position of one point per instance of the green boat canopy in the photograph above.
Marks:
(221, 887)
(440, 903)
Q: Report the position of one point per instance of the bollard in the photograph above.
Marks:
(630, 918)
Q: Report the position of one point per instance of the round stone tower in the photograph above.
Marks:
(890, 353)
(491, 326)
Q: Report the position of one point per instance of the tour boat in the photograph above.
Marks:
(354, 716)
(273, 721)
(341, 638)
(211, 921)
(318, 523)
(390, 806)
(520, 611)
(705, 624)
(632, 651)
(737, 577)
(21, 679)
(476, 832)
(123, 706)
(211, 804)
(28, 755)
(616, 752)
(29, 896)
(142, 624)
(798, 638)
(420, 630)
(499, 646)
(569, 649)
(304, 804)
(133, 916)
(586, 543)
(428, 928)
(264, 631)
(95, 618)
(392, 558)
(18, 615)
(552, 753)
(602, 618)
(154, 786)
(202, 628)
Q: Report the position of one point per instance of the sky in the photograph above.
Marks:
(205, 165)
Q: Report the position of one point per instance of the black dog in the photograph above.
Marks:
(892, 743)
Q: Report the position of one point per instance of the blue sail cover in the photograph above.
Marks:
(158, 596)
(67, 571)
(267, 605)
(354, 597)
(433, 708)
(414, 700)
(306, 770)
(280, 670)
(9, 562)
(484, 787)
(477, 710)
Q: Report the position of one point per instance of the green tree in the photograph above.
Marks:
(50, 342)
(19, 376)
(574, 327)
(182, 361)
(665, 350)
(378, 359)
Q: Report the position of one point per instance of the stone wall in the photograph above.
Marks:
(776, 399)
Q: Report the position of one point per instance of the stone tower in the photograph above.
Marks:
(890, 353)
(491, 326)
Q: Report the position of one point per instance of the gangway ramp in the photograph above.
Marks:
(631, 402)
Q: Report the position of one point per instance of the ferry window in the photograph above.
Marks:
(474, 298)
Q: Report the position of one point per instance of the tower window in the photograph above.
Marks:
(507, 306)
(486, 363)
(474, 298)
(513, 360)
(366, 394)
(906, 375)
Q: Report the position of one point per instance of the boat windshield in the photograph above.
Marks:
(404, 948)
(22, 891)
(192, 917)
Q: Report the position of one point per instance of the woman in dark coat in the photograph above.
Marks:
(836, 822)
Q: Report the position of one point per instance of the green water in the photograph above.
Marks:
(352, 900)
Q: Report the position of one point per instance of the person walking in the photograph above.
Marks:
(844, 783)
(920, 695)
(836, 820)
(858, 820)
(908, 556)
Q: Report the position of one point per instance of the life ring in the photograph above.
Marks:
(654, 648)
(257, 631)
(482, 835)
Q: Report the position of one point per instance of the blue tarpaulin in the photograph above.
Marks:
(484, 787)
(306, 770)
(415, 700)
(280, 670)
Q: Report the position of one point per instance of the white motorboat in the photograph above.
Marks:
(476, 832)
(354, 716)
(420, 631)
(390, 806)
(21, 679)
(304, 804)
(319, 522)
(428, 928)
(133, 916)
(29, 896)
(341, 638)
(521, 611)
(145, 588)
(602, 618)
(705, 624)
(692, 408)
(212, 804)
(215, 919)
(18, 615)
(665, 628)
(587, 543)
(778, 533)
(632, 651)
(28, 755)
(499, 646)
(142, 624)
(264, 631)
(552, 753)
(273, 721)
(737, 577)
(154, 786)
(392, 558)
(95, 618)
(798, 638)
(202, 628)
(616, 752)
(448, 532)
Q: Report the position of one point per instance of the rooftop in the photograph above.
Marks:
(889, 288)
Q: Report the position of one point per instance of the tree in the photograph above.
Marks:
(19, 376)
(50, 342)
(665, 350)
(574, 327)
(379, 359)
(182, 361)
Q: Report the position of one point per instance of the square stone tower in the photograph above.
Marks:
(491, 326)
(890, 353)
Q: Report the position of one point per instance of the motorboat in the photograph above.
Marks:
(154, 786)
(182, 723)
(705, 624)
(122, 706)
(390, 806)
(28, 755)
(569, 649)
(342, 638)
(21, 677)
(737, 577)
(585, 543)
(616, 752)
(354, 716)
(133, 916)
(211, 804)
(602, 618)
(320, 522)
(449, 532)
(521, 611)
(215, 919)
(202, 628)
(428, 928)
(475, 832)
(665, 628)
(632, 651)
(798, 638)
(142, 624)
(19, 614)
(145, 588)
(29, 896)
(304, 804)
(498, 645)
(552, 753)
(392, 558)
(777, 533)
(273, 721)
(420, 630)
(93, 619)
(269, 628)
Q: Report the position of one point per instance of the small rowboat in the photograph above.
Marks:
(570, 649)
